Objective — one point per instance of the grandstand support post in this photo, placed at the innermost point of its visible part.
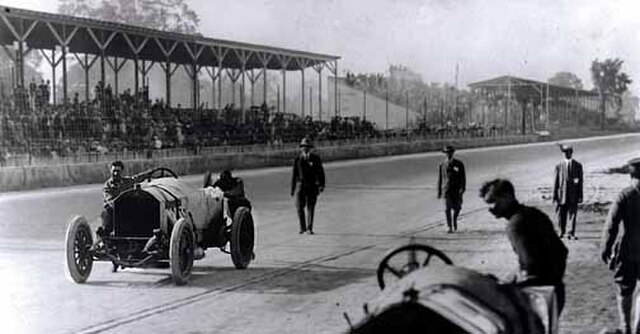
(115, 67)
(192, 71)
(63, 40)
(54, 63)
(21, 36)
(213, 75)
(302, 111)
(284, 62)
(136, 49)
(86, 66)
(333, 67)
(253, 77)
(302, 64)
(233, 75)
(194, 53)
(318, 67)
(167, 50)
(220, 55)
(136, 79)
(311, 102)
(264, 59)
(102, 43)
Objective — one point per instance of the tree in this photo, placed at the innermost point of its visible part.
(167, 15)
(610, 83)
(566, 79)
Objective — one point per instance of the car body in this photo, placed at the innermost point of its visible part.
(451, 299)
(163, 221)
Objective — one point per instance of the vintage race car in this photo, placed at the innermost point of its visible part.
(431, 295)
(162, 221)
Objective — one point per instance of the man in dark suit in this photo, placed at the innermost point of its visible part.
(567, 191)
(451, 186)
(307, 182)
(621, 247)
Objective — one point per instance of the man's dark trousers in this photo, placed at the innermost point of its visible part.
(306, 197)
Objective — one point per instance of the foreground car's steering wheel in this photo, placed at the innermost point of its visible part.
(159, 172)
(413, 252)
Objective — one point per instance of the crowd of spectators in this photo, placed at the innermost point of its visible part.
(29, 124)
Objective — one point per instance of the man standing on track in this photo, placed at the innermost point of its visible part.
(307, 182)
(451, 186)
(567, 191)
(621, 247)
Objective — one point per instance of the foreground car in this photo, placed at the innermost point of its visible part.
(163, 221)
(429, 298)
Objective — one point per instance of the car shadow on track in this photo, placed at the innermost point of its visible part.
(309, 279)
(312, 278)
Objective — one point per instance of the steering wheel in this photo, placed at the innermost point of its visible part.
(163, 171)
(413, 251)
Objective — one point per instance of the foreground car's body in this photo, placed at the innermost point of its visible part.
(163, 221)
(450, 299)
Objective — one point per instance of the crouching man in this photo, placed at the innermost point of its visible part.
(541, 254)
(232, 189)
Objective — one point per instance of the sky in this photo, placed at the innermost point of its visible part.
(486, 38)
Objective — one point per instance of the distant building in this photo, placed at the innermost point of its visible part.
(630, 110)
(400, 73)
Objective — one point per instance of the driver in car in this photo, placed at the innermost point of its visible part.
(114, 186)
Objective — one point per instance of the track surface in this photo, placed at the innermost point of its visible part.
(298, 283)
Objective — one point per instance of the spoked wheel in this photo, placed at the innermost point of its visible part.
(181, 246)
(418, 256)
(242, 238)
(78, 242)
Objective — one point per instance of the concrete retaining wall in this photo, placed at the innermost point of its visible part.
(35, 177)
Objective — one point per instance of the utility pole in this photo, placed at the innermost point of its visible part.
(386, 106)
(406, 121)
(455, 95)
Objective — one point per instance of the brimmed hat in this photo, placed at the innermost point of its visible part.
(306, 142)
(448, 149)
(566, 148)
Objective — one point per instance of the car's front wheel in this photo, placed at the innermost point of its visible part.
(181, 251)
(78, 255)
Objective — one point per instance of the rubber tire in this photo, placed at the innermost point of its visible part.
(78, 230)
(181, 251)
(242, 238)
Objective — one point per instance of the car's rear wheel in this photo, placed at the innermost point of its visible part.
(78, 255)
(242, 238)
(181, 247)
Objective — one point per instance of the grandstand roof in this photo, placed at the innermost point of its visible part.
(527, 87)
(46, 31)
